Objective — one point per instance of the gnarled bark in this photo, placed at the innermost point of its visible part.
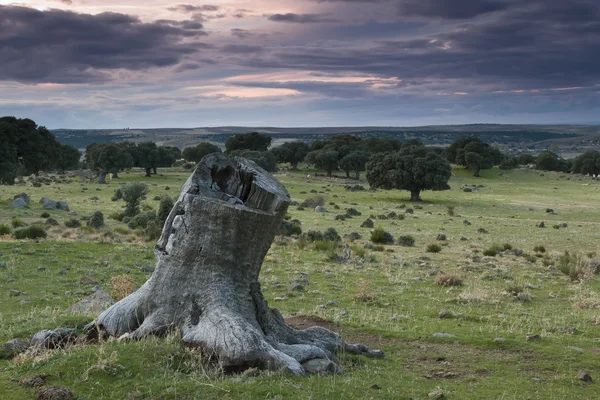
(206, 279)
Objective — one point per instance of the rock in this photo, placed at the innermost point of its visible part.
(13, 348)
(19, 203)
(62, 205)
(15, 293)
(51, 222)
(499, 340)
(34, 381)
(523, 296)
(23, 196)
(482, 230)
(320, 209)
(282, 298)
(295, 286)
(376, 387)
(530, 286)
(147, 268)
(54, 393)
(575, 348)
(93, 304)
(444, 335)
(51, 339)
(41, 269)
(464, 238)
(467, 190)
(441, 237)
(321, 366)
(541, 225)
(445, 313)
(2, 264)
(532, 337)
(584, 376)
(86, 280)
(436, 394)
(48, 203)
(466, 222)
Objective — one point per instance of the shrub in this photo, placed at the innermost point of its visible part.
(450, 210)
(17, 223)
(434, 248)
(97, 220)
(491, 251)
(164, 209)
(122, 286)
(573, 266)
(45, 215)
(378, 235)
(142, 220)
(331, 235)
(121, 230)
(5, 230)
(31, 232)
(448, 280)
(359, 252)
(290, 228)
(314, 236)
(539, 249)
(353, 212)
(132, 194)
(73, 223)
(118, 195)
(507, 246)
(324, 245)
(406, 240)
(117, 216)
(378, 247)
(313, 202)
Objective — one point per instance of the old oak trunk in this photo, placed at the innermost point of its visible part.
(206, 279)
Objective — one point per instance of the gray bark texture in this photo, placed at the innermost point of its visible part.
(206, 280)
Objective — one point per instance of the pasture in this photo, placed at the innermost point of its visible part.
(493, 315)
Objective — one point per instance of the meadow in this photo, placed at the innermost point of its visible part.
(493, 314)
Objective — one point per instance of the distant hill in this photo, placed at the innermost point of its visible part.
(529, 135)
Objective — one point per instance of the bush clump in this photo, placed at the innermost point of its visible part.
(289, 228)
(164, 209)
(313, 202)
(117, 216)
(133, 194)
(406, 240)
(539, 249)
(491, 251)
(118, 195)
(45, 215)
(379, 235)
(142, 220)
(331, 235)
(434, 248)
(5, 230)
(448, 280)
(30, 232)
(96, 220)
(73, 223)
(17, 223)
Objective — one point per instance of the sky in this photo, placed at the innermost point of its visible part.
(152, 63)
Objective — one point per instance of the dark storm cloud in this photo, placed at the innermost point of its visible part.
(301, 18)
(65, 47)
(449, 9)
(68, 2)
(189, 8)
(241, 48)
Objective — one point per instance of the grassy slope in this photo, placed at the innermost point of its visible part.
(400, 317)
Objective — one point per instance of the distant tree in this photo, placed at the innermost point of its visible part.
(167, 155)
(548, 161)
(509, 163)
(413, 168)
(249, 141)
(265, 159)
(108, 158)
(324, 159)
(587, 163)
(473, 154)
(381, 145)
(291, 152)
(133, 194)
(9, 150)
(197, 153)
(68, 158)
(356, 162)
(526, 159)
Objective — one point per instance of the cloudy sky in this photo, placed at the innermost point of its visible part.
(154, 63)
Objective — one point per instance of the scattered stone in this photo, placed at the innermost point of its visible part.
(2, 264)
(54, 393)
(436, 394)
(541, 225)
(320, 209)
(23, 196)
(48, 203)
(19, 202)
(467, 190)
(466, 222)
(584, 376)
(376, 387)
(530, 286)
(295, 286)
(523, 296)
(94, 304)
(147, 268)
(368, 223)
(464, 238)
(532, 337)
(575, 348)
(482, 230)
(51, 339)
(41, 269)
(15, 293)
(445, 314)
(62, 205)
(353, 236)
(409, 211)
(321, 366)
(51, 222)
(353, 212)
(13, 348)
(416, 279)
(499, 340)
(441, 237)
(34, 381)
(444, 335)
(86, 280)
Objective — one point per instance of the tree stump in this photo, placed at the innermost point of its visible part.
(206, 279)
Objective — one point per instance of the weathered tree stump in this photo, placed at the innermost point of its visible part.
(206, 279)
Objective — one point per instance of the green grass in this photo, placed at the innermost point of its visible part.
(400, 316)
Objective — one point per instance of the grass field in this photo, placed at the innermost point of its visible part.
(399, 299)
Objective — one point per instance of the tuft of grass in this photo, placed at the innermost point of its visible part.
(122, 286)
(5, 230)
(507, 246)
(45, 214)
(539, 249)
(30, 232)
(434, 248)
(325, 245)
(73, 223)
(573, 265)
(450, 210)
(491, 251)
(448, 280)
(17, 223)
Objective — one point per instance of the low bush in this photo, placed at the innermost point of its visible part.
(491, 251)
(117, 216)
(5, 230)
(539, 249)
(17, 223)
(73, 223)
(45, 215)
(142, 220)
(448, 280)
(122, 230)
(30, 232)
(314, 236)
(290, 228)
(434, 248)
(379, 235)
(574, 266)
(118, 195)
(96, 220)
(324, 245)
(331, 235)
(406, 240)
(313, 202)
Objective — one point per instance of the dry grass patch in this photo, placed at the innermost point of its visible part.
(448, 280)
(122, 286)
(477, 295)
(586, 299)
